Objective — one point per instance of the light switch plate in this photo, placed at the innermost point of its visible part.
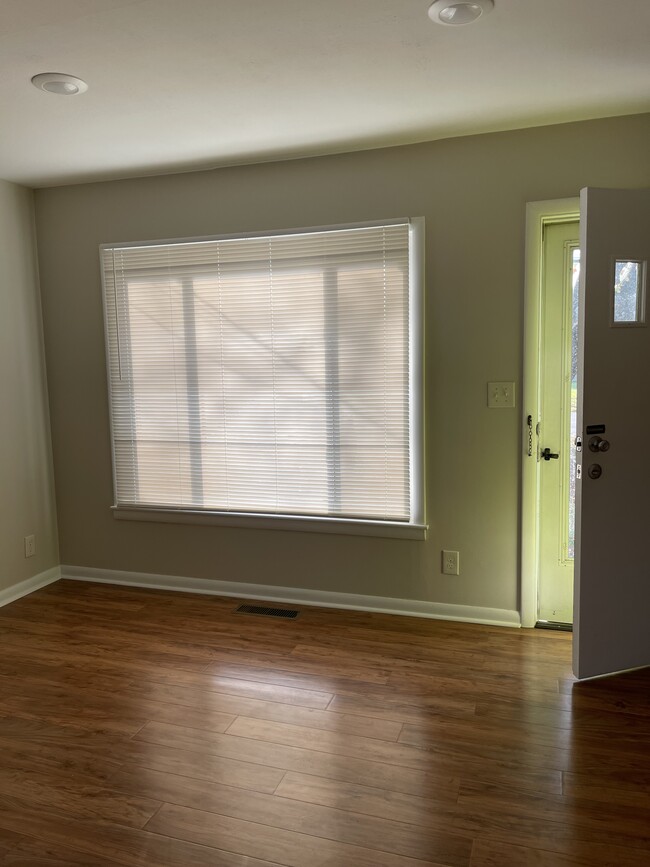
(501, 395)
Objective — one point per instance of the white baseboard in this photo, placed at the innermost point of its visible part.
(23, 588)
(297, 596)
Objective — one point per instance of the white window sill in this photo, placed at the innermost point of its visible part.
(292, 523)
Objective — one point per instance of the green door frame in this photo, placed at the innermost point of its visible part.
(538, 215)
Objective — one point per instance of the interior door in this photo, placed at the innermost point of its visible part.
(612, 562)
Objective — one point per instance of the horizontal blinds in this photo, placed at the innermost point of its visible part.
(262, 374)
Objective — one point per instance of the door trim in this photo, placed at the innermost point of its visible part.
(538, 215)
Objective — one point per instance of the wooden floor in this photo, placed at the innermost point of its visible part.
(146, 728)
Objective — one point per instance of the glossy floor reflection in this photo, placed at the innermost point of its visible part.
(140, 727)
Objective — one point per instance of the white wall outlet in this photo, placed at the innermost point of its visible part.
(501, 395)
(30, 546)
(450, 563)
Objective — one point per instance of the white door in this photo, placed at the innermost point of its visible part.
(612, 562)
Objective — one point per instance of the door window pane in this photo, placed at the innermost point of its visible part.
(628, 291)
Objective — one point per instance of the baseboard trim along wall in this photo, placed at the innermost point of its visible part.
(23, 588)
(297, 596)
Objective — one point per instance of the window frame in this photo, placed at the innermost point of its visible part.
(416, 527)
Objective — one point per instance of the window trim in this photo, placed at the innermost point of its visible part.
(268, 521)
(416, 528)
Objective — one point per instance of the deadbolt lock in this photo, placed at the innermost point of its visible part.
(595, 471)
(597, 444)
(548, 455)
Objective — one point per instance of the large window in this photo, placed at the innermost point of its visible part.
(273, 375)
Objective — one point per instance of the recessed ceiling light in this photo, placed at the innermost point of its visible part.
(57, 82)
(457, 12)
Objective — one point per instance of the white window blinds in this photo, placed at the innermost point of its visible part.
(262, 375)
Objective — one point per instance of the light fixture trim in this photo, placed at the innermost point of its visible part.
(59, 83)
(456, 13)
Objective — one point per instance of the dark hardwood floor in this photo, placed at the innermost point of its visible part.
(146, 728)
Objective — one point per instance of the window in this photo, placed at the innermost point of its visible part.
(274, 375)
(629, 293)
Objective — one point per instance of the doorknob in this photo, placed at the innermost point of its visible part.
(597, 444)
(547, 454)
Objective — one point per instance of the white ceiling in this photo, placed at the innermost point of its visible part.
(181, 84)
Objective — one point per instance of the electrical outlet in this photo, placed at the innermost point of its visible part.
(501, 395)
(30, 546)
(450, 563)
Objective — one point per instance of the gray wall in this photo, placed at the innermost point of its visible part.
(26, 477)
(472, 192)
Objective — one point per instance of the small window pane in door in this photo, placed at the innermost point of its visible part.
(628, 292)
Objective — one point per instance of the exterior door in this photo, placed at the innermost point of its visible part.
(557, 428)
(612, 563)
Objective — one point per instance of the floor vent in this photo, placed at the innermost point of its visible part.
(264, 611)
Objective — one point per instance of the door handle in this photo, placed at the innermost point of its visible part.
(547, 454)
(597, 444)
